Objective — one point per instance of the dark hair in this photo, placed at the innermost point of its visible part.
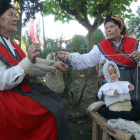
(109, 18)
(4, 6)
(118, 21)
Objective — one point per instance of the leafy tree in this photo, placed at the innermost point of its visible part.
(134, 25)
(27, 7)
(81, 10)
(97, 36)
(78, 43)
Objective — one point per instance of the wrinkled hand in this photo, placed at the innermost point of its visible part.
(135, 55)
(115, 92)
(60, 65)
(130, 86)
(33, 51)
(63, 56)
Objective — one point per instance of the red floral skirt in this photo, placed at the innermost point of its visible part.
(21, 118)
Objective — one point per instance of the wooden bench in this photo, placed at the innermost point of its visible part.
(100, 130)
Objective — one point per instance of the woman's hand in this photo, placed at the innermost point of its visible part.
(60, 65)
(135, 55)
(33, 51)
(63, 56)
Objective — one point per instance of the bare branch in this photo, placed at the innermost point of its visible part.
(101, 8)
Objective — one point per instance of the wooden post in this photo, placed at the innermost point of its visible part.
(105, 136)
(101, 123)
(95, 130)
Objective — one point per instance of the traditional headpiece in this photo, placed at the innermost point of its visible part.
(118, 21)
(4, 5)
(106, 73)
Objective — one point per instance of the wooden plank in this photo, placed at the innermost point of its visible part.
(95, 130)
(102, 122)
(105, 136)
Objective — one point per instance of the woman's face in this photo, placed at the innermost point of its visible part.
(8, 22)
(112, 31)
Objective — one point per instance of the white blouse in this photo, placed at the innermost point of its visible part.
(9, 75)
(84, 61)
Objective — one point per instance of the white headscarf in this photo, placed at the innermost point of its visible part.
(105, 70)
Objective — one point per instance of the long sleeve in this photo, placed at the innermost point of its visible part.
(11, 77)
(83, 61)
(8, 76)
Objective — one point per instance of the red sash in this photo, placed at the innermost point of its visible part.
(111, 52)
(8, 56)
(24, 86)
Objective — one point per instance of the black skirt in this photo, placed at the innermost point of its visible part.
(53, 102)
(132, 115)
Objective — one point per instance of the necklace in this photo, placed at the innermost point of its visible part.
(16, 56)
(117, 50)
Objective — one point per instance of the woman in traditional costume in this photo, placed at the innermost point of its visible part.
(28, 111)
(123, 50)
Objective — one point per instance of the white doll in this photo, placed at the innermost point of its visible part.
(116, 93)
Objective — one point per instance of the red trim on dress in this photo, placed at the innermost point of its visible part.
(22, 118)
(129, 45)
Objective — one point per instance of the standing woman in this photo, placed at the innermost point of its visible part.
(28, 111)
(124, 51)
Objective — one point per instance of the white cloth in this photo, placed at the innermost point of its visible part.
(129, 126)
(106, 69)
(83, 61)
(109, 88)
(9, 75)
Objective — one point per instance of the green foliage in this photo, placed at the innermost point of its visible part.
(134, 25)
(67, 9)
(81, 10)
(45, 52)
(74, 90)
(25, 42)
(98, 36)
(78, 43)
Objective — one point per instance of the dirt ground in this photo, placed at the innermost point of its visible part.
(80, 124)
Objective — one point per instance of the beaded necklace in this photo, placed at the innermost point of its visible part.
(16, 56)
(117, 49)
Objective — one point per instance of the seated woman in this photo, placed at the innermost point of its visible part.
(28, 111)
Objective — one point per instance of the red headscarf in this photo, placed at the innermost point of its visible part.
(118, 21)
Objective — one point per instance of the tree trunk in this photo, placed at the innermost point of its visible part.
(90, 40)
(16, 37)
